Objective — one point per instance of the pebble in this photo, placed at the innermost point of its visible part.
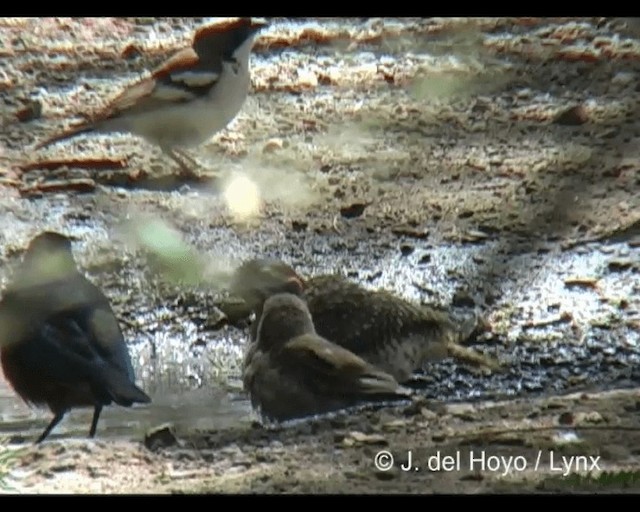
(160, 437)
(573, 116)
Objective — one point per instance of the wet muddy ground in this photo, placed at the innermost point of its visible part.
(486, 164)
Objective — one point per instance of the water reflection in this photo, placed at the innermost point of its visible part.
(188, 410)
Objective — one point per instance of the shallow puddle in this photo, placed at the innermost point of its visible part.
(186, 411)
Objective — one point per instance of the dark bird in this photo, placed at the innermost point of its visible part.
(60, 343)
(187, 99)
(393, 334)
(291, 372)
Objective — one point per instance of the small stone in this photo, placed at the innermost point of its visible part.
(463, 299)
(424, 259)
(236, 310)
(465, 412)
(620, 264)
(372, 439)
(410, 231)
(273, 145)
(394, 425)
(29, 111)
(348, 442)
(299, 225)
(428, 414)
(354, 210)
(474, 235)
(591, 417)
(574, 116)
(216, 320)
(161, 436)
(63, 467)
(566, 418)
(406, 249)
(131, 51)
(307, 79)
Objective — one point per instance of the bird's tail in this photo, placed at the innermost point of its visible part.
(473, 358)
(71, 132)
(383, 387)
(122, 391)
(465, 332)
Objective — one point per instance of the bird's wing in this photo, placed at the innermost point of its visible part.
(254, 365)
(147, 94)
(100, 324)
(358, 317)
(72, 318)
(186, 70)
(130, 97)
(179, 79)
(55, 347)
(323, 354)
(64, 349)
(107, 340)
(330, 363)
(59, 350)
(27, 305)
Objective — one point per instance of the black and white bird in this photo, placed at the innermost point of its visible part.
(186, 100)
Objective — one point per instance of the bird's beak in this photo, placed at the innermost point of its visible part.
(299, 282)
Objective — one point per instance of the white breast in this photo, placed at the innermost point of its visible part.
(193, 123)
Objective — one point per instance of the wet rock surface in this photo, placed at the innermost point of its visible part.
(421, 156)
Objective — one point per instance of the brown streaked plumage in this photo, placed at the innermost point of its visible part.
(60, 343)
(393, 334)
(291, 372)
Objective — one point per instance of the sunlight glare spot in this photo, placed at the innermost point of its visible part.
(242, 197)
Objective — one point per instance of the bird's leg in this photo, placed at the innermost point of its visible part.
(94, 421)
(187, 163)
(56, 419)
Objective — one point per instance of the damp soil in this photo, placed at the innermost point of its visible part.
(486, 165)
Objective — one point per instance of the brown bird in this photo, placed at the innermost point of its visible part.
(60, 343)
(395, 335)
(291, 372)
(190, 97)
